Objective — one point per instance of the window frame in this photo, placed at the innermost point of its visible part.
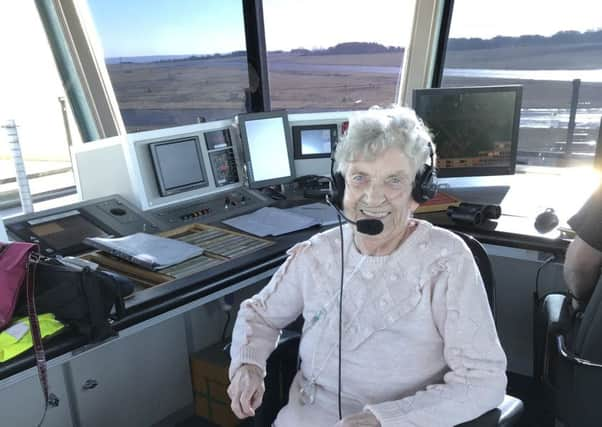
(436, 78)
(419, 63)
(78, 57)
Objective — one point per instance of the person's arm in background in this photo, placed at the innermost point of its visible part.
(476, 381)
(584, 255)
(582, 266)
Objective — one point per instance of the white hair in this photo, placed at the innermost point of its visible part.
(373, 131)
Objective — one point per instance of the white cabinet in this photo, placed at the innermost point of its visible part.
(137, 379)
(22, 401)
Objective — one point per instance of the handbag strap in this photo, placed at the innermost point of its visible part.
(34, 326)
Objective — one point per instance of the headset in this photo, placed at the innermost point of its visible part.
(424, 187)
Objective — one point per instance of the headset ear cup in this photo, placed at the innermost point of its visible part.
(338, 190)
(417, 194)
(425, 185)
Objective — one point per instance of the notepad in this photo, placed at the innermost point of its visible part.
(275, 222)
(271, 222)
(323, 213)
(146, 250)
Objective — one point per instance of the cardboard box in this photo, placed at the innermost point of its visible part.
(210, 382)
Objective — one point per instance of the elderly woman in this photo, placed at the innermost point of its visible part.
(418, 345)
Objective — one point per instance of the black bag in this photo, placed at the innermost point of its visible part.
(80, 295)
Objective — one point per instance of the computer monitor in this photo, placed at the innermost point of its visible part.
(267, 147)
(60, 232)
(314, 141)
(475, 129)
(178, 165)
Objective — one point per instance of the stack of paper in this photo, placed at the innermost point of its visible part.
(275, 222)
(323, 213)
(146, 250)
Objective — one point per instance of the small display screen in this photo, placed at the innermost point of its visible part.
(178, 165)
(223, 165)
(314, 141)
(218, 139)
(65, 232)
(268, 149)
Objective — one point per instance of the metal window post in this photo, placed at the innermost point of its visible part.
(568, 148)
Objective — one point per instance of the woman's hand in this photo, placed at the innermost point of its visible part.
(246, 390)
(361, 419)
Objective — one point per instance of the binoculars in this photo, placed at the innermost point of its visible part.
(472, 213)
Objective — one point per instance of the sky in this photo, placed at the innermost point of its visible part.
(182, 27)
(520, 17)
(30, 86)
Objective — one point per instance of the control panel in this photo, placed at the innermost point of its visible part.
(61, 230)
(210, 208)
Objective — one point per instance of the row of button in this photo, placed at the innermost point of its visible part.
(195, 214)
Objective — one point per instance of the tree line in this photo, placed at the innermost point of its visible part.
(561, 37)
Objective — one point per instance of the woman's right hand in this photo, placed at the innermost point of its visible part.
(246, 390)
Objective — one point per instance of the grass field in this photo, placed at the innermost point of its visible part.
(165, 94)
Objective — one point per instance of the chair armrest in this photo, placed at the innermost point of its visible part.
(547, 323)
(567, 355)
(551, 309)
(506, 414)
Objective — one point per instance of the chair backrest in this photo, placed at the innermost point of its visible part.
(571, 369)
(484, 264)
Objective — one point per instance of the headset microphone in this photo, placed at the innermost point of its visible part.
(371, 227)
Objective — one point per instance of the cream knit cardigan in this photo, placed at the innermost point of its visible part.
(419, 346)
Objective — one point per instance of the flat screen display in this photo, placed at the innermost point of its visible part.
(65, 231)
(314, 141)
(475, 129)
(266, 142)
(178, 165)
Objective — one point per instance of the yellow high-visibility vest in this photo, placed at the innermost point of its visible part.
(16, 339)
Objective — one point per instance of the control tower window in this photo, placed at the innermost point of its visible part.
(335, 55)
(174, 63)
(555, 59)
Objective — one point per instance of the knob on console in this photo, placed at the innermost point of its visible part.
(118, 211)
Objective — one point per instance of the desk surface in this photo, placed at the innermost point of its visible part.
(527, 195)
(514, 228)
(511, 231)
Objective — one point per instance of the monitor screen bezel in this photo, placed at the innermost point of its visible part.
(297, 140)
(479, 170)
(163, 190)
(243, 119)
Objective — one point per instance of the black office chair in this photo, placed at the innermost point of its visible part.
(283, 363)
(568, 360)
(510, 410)
(485, 268)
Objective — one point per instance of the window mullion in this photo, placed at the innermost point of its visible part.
(258, 95)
